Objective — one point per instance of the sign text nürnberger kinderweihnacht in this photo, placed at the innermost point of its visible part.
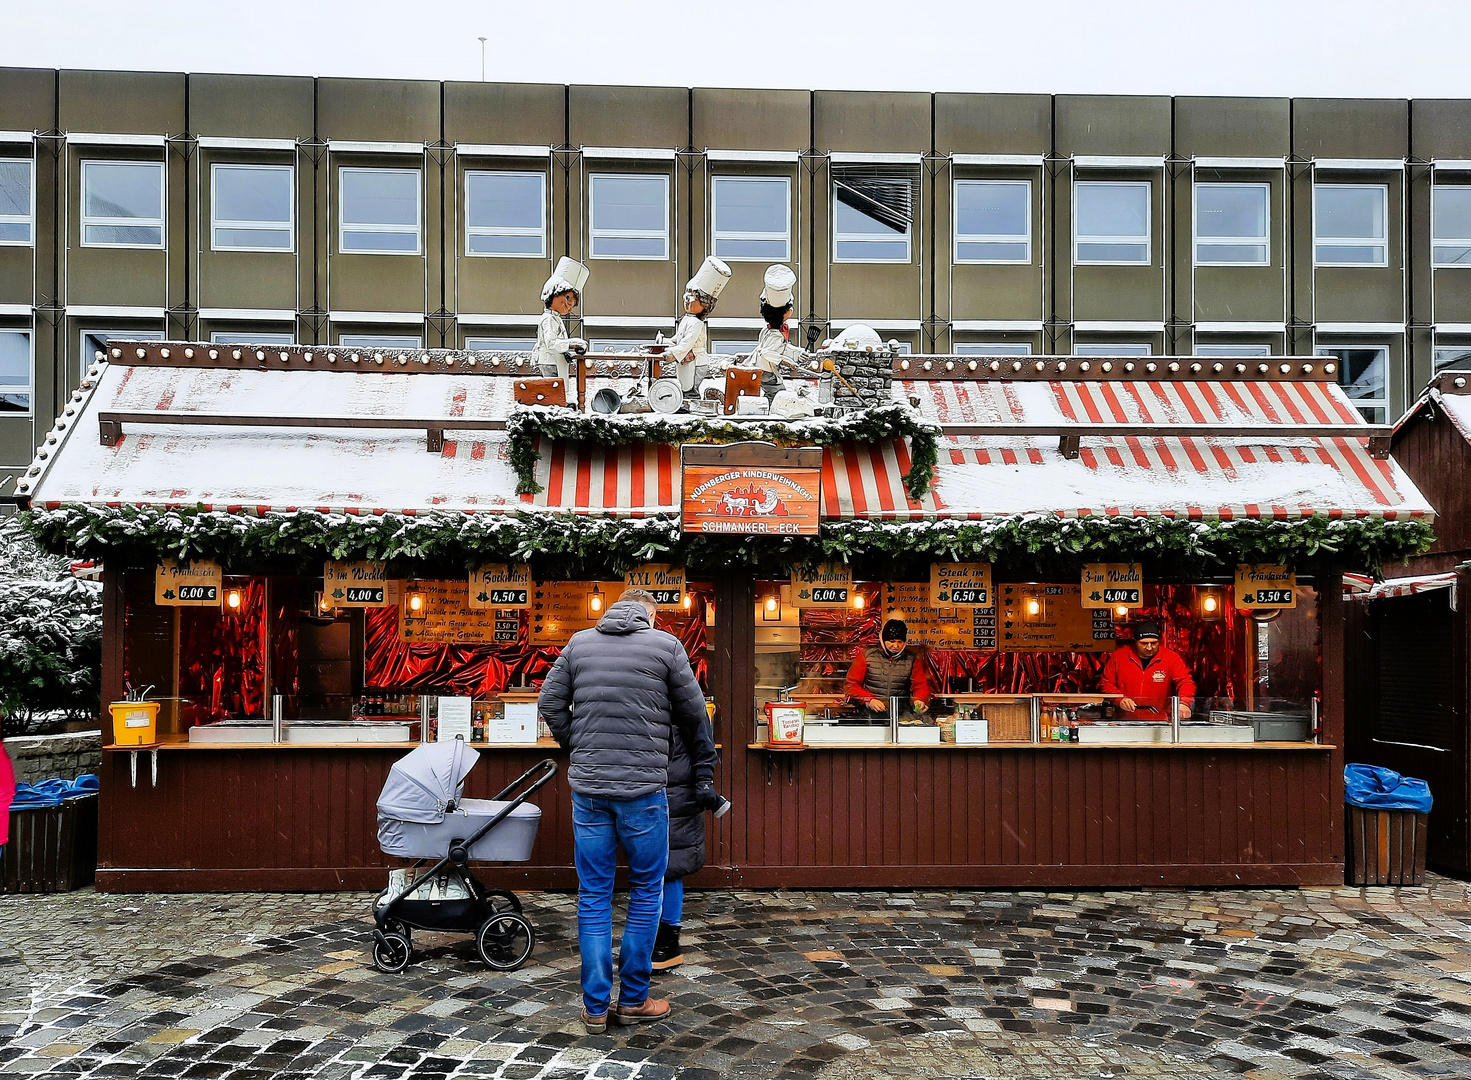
(751, 489)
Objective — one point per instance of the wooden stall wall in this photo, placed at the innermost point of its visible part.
(304, 818)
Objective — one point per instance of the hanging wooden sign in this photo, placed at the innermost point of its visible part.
(188, 584)
(752, 489)
(500, 585)
(1264, 586)
(961, 585)
(1050, 618)
(829, 585)
(356, 584)
(928, 625)
(561, 608)
(1110, 585)
(664, 581)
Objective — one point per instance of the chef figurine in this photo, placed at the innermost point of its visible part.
(773, 351)
(561, 294)
(690, 346)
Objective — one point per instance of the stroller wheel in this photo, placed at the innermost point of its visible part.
(500, 900)
(391, 953)
(504, 941)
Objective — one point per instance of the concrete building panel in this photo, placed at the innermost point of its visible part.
(993, 123)
(505, 114)
(1442, 129)
(378, 110)
(122, 102)
(1239, 127)
(853, 121)
(632, 116)
(1111, 126)
(27, 99)
(1351, 128)
(251, 106)
(751, 119)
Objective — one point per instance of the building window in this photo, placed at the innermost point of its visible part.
(1362, 372)
(1233, 350)
(731, 348)
(380, 341)
(993, 221)
(614, 345)
(994, 348)
(1114, 348)
(236, 338)
(630, 216)
(873, 212)
(122, 204)
(1231, 223)
(380, 211)
(95, 341)
(15, 371)
(1451, 228)
(1456, 356)
(505, 214)
(17, 201)
(252, 207)
(753, 216)
(1350, 224)
(1111, 222)
(501, 344)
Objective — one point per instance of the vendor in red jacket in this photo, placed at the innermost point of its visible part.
(1147, 675)
(889, 669)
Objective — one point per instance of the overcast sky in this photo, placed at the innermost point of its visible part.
(1334, 48)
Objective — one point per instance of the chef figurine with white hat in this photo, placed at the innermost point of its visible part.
(690, 346)
(773, 350)
(560, 295)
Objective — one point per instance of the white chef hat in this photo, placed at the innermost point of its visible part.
(779, 284)
(569, 276)
(711, 278)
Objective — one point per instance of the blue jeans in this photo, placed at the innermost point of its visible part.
(673, 902)
(599, 826)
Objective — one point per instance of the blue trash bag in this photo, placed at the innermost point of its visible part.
(1374, 788)
(49, 793)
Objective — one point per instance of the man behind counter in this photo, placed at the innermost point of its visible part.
(889, 670)
(1147, 675)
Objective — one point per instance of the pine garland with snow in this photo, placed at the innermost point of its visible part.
(50, 634)
(570, 545)
(879, 423)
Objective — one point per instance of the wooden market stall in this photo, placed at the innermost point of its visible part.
(1410, 666)
(398, 550)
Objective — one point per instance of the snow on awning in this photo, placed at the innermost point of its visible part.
(1410, 586)
(1248, 472)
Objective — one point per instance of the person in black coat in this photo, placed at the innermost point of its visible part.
(686, 847)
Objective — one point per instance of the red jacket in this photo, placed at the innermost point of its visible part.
(1149, 684)
(7, 794)
(919, 680)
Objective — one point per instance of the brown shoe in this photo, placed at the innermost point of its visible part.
(651, 1009)
(594, 1025)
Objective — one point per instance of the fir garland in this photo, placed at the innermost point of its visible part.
(528, 423)
(570, 544)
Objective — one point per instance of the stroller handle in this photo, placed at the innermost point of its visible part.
(547, 767)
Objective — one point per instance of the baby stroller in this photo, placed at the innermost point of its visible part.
(422, 816)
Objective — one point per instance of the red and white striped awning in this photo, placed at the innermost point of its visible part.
(633, 480)
(1410, 586)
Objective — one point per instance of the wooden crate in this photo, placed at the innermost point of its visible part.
(1009, 721)
(51, 848)
(1386, 847)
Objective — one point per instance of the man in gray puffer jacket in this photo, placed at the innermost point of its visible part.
(614, 697)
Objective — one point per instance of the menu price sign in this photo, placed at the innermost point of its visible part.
(664, 581)
(1109, 585)
(1265, 587)
(928, 625)
(500, 585)
(961, 585)
(560, 608)
(447, 618)
(188, 584)
(356, 584)
(828, 585)
(1061, 624)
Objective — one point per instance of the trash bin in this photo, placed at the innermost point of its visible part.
(53, 837)
(1388, 826)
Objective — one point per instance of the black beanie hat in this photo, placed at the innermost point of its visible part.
(1146, 629)
(894, 630)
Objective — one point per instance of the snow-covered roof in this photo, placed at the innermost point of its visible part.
(1000, 454)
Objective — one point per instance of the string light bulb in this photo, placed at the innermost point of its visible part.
(595, 601)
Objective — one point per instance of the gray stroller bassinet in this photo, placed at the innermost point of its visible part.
(420, 810)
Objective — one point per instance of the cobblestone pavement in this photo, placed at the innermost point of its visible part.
(1340, 983)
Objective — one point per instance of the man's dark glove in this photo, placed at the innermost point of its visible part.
(706, 797)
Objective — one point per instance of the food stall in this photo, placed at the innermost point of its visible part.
(398, 550)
